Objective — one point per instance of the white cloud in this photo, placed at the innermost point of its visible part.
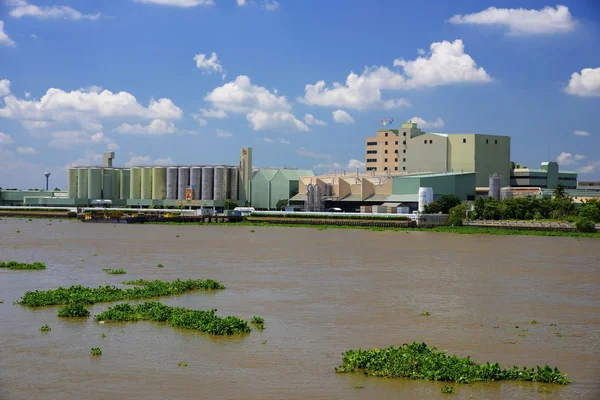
(68, 139)
(565, 159)
(201, 121)
(581, 133)
(275, 121)
(27, 95)
(328, 167)
(112, 146)
(136, 161)
(5, 139)
(353, 164)
(589, 168)
(32, 125)
(4, 86)
(270, 5)
(579, 157)
(447, 63)
(179, 3)
(342, 117)
(306, 153)
(24, 9)
(269, 140)
(154, 128)
(421, 123)
(5, 40)
(90, 158)
(282, 141)
(212, 113)
(209, 65)
(33, 36)
(26, 150)
(586, 84)
(222, 133)
(520, 21)
(241, 3)
(310, 119)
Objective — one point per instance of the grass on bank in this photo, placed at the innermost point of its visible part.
(86, 295)
(22, 266)
(419, 361)
(180, 317)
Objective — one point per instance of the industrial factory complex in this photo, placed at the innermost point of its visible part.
(401, 165)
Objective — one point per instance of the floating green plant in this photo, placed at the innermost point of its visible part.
(95, 255)
(533, 322)
(19, 265)
(552, 324)
(419, 361)
(160, 266)
(18, 231)
(252, 231)
(183, 364)
(358, 386)
(109, 271)
(86, 295)
(257, 320)
(45, 328)
(103, 336)
(426, 313)
(204, 321)
(176, 235)
(75, 310)
(96, 351)
(447, 389)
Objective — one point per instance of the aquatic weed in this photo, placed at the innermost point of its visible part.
(45, 328)
(109, 271)
(160, 266)
(75, 310)
(103, 336)
(447, 389)
(257, 320)
(533, 322)
(183, 364)
(96, 351)
(23, 266)
(426, 313)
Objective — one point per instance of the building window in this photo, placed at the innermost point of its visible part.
(430, 141)
(371, 143)
(404, 160)
(385, 160)
(487, 141)
(395, 168)
(386, 152)
(396, 143)
(403, 168)
(404, 150)
(396, 160)
(371, 151)
(404, 142)
(464, 140)
(385, 169)
(404, 134)
(386, 143)
(371, 160)
(371, 168)
(496, 141)
(425, 141)
(396, 151)
(386, 134)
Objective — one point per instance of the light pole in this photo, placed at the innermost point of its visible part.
(47, 175)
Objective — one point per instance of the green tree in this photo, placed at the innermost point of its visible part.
(590, 211)
(457, 214)
(559, 191)
(447, 201)
(229, 204)
(432, 208)
(282, 203)
(478, 208)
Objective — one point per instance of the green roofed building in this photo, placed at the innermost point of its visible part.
(269, 185)
(545, 177)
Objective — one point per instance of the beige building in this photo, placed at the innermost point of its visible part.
(409, 150)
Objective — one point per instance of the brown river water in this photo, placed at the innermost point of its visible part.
(321, 292)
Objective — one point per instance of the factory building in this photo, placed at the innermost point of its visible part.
(269, 185)
(409, 150)
(545, 177)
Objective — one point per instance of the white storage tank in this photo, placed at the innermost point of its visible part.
(135, 183)
(207, 183)
(172, 183)
(72, 177)
(94, 183)
(183, 182)
(425, 197)
(234, 176)
(82, 184)
(495, 183)
(146, 188)
(220, 184)
(196, 182)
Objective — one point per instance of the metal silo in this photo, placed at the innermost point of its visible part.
(196, 182)
(159, 183)
(233, 183)
(172, 183)
(146, 187)
(82, 184)
(183, 182)
(116, 184)
(135, 183)
(94, 183)
(207, 183)
(72, 176)
(494, 190)
(220, 184)
(125, 184)
(107, 184)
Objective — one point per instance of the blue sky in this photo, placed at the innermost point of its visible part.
(80, 77)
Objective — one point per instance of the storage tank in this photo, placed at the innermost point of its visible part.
(125, 184)
(234, 177)
(172, 183)
(207, 183)
(183, 182)
(425, 197)
(72, 176)
(107, 184)
(494, 190)
(220, 184)
(94, 183)
(82, 184)
(146, 187)
(506, 193)
(159, 183)
(116, 184)
(135, 183)
(196, 182)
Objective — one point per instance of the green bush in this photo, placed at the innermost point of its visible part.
(585, 225)
(75, 310)
(457, 214)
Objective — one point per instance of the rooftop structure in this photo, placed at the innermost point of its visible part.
(545, 177)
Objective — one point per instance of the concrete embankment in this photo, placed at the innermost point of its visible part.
(332, 221)
(528, 225)
(37, 214)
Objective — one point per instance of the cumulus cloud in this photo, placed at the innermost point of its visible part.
(209, 64)
(581, 133)
(155, 128)
(26, 150)
(354, 164)
(569, 159)
(179, 3)
(22, 8)
(306, 153)
(224, 134)
(275, 121)
(68, 139)
(136, 161)
(445, 64)
(586, 84)
(421, 123)
(5, 40)
(241, 3)
(270, 5)
(201, 121)
(576, 162)
(112, 146)
(589, 168)
(520, 21)
(90, 158)
(4, 86)
(579, 157)
(5, 139)
(310, 119)
(212, 113)
(282, 141)
(342, 117)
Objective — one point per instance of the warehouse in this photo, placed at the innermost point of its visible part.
(269, 185)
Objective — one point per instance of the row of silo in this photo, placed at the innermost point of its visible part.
(125, 184)
(196, 182)
(135, 183)
(172, 183)
(183, 181)
(207, 183)
(94, 183)
(146, 185)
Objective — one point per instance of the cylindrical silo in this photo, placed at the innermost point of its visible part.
(425, 197)
(94, 183)
(172, 183)
(183, 181)
(72, 176)
(116, 184)
(107, 184)
(82, 184)
(233, 183)
(196, 182)
(207, 183)
(125, 184)
(146, 187)
(135, 183)
(494, 190)
(505, 193)
(220, 184)
(159, 183)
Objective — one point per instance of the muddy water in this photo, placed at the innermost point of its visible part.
(320, 292)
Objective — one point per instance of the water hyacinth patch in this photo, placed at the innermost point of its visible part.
(204, 321)
(114, 271)
(45, 328)
(86, 295)
(96, 351)
(419, 361)
(19, 265)
(76, 310)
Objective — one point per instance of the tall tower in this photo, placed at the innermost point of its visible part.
(245, 173)
(107, 159)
